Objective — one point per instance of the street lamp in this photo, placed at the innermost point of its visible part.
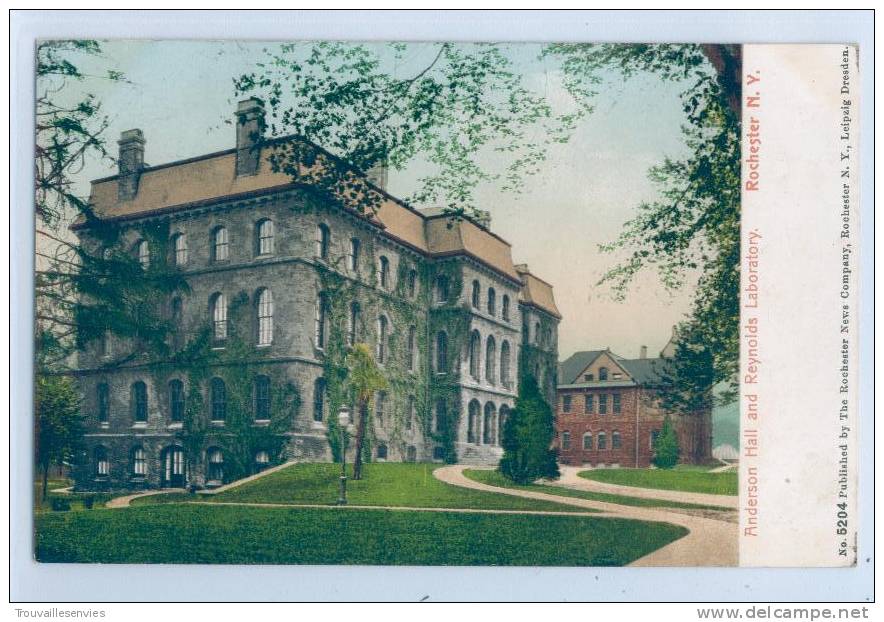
(343, 424)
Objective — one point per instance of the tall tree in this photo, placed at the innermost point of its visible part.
(58, 424)
(694, 227)
(455, 104)
(528, 435)
(365, 379)
(666, 449)
(84, 291)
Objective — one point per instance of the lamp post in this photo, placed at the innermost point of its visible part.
(343, 424)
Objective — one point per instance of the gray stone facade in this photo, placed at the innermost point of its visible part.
(314, 282)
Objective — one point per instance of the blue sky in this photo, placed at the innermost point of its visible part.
(181, 95)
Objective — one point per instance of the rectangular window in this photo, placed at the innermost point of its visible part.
(603, 404)
(615, 398)
(103, 403)
(615, 440)
(380, 404)
(566, 403)
(176, 400)
(602, 442)
(654, 435)
(588, 377)
(587, 404)
(566, 440)
(354, 254)
(139, 463)
(587, 441)
(262, 398)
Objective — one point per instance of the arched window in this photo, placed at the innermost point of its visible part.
(489, 434)
(215, 471)
(475, 345)
(138, 401)
(382, 451)
(383, 336)
(490, 360)
(492, 301)
(218, 306)
(412, 283)
(321, 321)
(505, 308)
(441, 289)
(176, 401)
(384, 272)
(104, 345)
(142, 249)
(265, 317)
(441, 352)
(220, 244)
(353, 323)
(264, 237)
(440, 421)
(501, 422)
(179, 243)
(102, 464)
(176, 315)
(602, 442)
(409, 414)
(587, 441)
(319, 400)
(474, 298)
(526, 337)
(138, 462)
(323, 237)
(353, 257)
(505, 375)
(219, 399)
(538, 337)
(380, 407)
(615, 440)
(262, 398)
(103, 399)
(603, 373)
(473, 422)
(566, 440)
(412, 348)
(411, 454)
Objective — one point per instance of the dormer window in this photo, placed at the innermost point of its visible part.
(588, 377)
(603, 373)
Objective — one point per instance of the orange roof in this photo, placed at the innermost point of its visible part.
(535, 291)
(197, 181)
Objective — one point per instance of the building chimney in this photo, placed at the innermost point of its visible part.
(130, 163)
(249, 128)
(644, 352)
(377, 174)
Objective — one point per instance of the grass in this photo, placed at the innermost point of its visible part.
(77, 501)
(683, 479)
(383, 484)
(186, 533)
(493, 478)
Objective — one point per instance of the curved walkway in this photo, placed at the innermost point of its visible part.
(570, 479)
(123, 502)
(708, 543)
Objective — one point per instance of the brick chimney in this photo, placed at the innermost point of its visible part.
(249, 127)
(377, 174)
(644, 352)
(130, 163)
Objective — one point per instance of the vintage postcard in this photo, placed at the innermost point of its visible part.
(446, 304)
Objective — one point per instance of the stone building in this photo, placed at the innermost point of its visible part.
(280, 286)
(608, 412)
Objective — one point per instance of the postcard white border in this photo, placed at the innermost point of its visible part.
(62, 582)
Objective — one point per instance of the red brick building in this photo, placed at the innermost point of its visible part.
(608, 412)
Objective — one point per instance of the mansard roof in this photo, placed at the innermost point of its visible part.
(211, 178)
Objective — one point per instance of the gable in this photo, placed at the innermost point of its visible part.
(607, 361)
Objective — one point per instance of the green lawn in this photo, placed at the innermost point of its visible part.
(493, 478)
(684, 479)
(186, 533)
(387, 484)
(75, 501)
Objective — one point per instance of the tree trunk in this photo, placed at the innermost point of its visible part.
(360, 439)
(45, 480)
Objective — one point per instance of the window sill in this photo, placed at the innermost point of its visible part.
(317, 425)
(140, 424)
(262, 346)
(262, 422)
(103, 425)
(217, 423)
(177, 425)
(265, 256)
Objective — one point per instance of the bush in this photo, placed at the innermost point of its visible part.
(60, 504)
(88, 502)
(527, 437)
(666, 450)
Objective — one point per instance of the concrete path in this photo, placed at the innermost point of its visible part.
(395, 508)
(571, 479)
(708, 543)
(246, 480)
(724, 467)
(123, 502)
